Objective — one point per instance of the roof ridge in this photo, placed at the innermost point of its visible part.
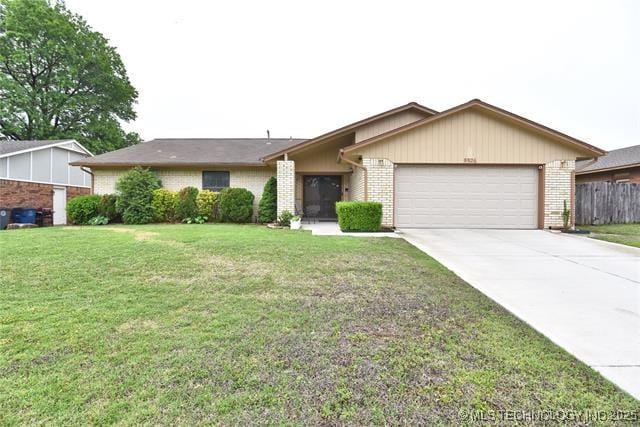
(222, 139)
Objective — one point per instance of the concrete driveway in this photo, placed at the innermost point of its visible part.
(582, 293)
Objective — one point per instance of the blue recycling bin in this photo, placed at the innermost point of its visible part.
(23, 215)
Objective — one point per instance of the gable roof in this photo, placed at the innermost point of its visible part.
(191, 152)
(614, 159)
(334, 133)
(12, 147)
(478, 104)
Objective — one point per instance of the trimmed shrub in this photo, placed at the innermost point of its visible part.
(186, 206)
(135, 193)
(236, 205)
(207, 203)
(268, 207)
(108, 209)
(359, 216)
(81, 209)
(163, 204)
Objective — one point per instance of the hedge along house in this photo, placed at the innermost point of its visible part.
(472, 166)
(211, 164)
(37, 174)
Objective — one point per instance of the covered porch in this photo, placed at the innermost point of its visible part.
(311, 180)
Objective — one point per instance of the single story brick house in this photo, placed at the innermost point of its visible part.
(472, 166)
(617, 166)
(37, 174)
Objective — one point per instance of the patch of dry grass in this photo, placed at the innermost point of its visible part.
(228, 324)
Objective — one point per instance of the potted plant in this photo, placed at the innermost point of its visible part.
(295, 222)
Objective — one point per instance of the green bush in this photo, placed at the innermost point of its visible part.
(285, 218)
(81, 209)
(163, 204)
(236, 205)
(207, 203)
(268, 207)
(186, 206)
(359, 216)
(108, 208)
(135, 193)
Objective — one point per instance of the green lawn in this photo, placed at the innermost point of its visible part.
(627, 234)
(195, 324)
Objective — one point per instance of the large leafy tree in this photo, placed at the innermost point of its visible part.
(60, 79)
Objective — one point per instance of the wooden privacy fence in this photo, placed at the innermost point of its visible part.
(607, 203)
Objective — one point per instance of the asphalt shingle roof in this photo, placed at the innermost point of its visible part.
(8, 147)
(194, 152)
(613, 159)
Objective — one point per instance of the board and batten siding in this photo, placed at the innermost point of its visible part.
(322, 158)
(472, 135)
(46, 166)
(386, 124)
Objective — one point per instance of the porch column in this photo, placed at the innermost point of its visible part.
(286, 176)
(380, 186)
(558, 188)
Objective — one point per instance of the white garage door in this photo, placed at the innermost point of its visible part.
(467, 196)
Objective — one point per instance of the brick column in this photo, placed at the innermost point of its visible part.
(286, 177)
(380, 186)
(558, 187)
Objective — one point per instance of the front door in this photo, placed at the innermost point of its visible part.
(321, 192)
(59, 206)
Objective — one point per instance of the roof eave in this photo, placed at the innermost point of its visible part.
(338, 132)
(613, 168)
(42, 147)
(165, 164)
(478, 103)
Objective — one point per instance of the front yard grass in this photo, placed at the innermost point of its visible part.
(626, 234)
(195, 324)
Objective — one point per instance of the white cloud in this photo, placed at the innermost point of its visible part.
(212, 69)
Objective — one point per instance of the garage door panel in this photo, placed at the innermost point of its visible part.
(466, 196)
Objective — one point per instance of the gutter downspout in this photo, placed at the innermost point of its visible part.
(364, 169)
(82, 168)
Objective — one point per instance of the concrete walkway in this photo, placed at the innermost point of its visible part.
(582, 293)
(332, 229)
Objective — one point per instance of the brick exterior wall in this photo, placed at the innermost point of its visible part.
(104, 180)
(558, 187)
(286, 186)
(356, 184)
(253, 180)
(380, 186)
(24, 194)
(632, 174)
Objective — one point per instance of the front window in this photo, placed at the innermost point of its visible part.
(215, 180)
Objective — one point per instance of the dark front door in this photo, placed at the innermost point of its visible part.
(321, 192)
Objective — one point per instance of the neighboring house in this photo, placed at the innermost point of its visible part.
(622, 165)
(473, 166)
(37, 174)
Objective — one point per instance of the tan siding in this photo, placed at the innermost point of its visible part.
(388, 123)
(323, 158)
(298, 190)
(469, 134)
